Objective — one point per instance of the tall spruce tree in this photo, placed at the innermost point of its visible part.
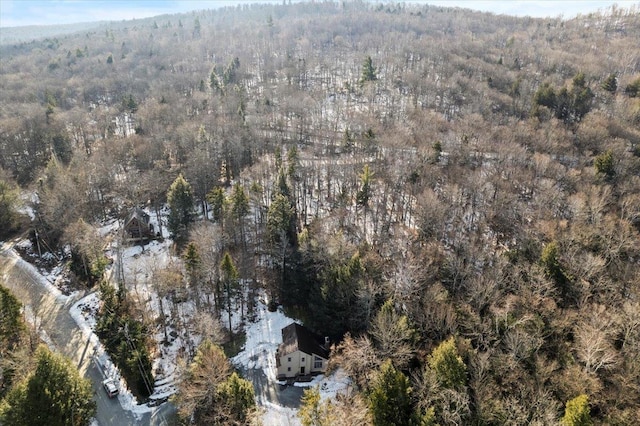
(390, 398)
(229, 281)
(368, 71)
(53, 395)
(180, 198)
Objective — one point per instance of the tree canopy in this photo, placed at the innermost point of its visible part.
(54, 394)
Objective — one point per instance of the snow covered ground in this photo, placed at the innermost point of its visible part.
(259, 353)
(138, 263)
(84, 312)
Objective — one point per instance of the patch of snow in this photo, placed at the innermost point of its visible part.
(83, 313)
(329, 386)
(28, 200)
(263, 338)
(276, 415)
(24, 244)
(43, 281)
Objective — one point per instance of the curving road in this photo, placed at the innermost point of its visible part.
(51, 313)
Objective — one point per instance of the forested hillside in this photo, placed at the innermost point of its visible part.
(452, 196)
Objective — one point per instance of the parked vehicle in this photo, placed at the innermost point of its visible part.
(110, 387)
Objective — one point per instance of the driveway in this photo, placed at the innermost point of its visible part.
(267, 391)
(52, 315)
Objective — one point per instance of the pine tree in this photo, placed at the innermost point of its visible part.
(577, 412)
(239, 202)
(193, 264)
(217, 199)
(11, 325)
(214, 81)
(180, 198)
(8, 204)
(390, 398)
(450, 370)
(610, 84)
(53, 395)
(633, 89)
(368, 71)
(311, 408)
(279, 219)
(604, 165)
(237, 396)
(229, 281)
(364, 194)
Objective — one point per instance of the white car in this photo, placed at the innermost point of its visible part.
(110, 387)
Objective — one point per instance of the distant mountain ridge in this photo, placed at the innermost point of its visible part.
(32, 32)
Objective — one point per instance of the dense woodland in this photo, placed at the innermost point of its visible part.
(452, 196)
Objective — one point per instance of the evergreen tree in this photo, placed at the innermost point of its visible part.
(604, 165)
(8, 204)
(545, 96)
(193, 264)
(364, 194)
(130, 104)
(217, 199)
(110, 59)
(293, 161)
(582, 99)
(341, 284)
(180, 198)
(368, 71)
(239, 202)
(282, 187)
(577, 412)
(229, 281)
(390, 398)
(633, 89)
(10, 312)
(450, 370)
(125, 339)
(579, 80)
(610, 84)
(53, 395)
(237, 396)
(214, 82)
(197, 28)
(279, 219)
(311, 408)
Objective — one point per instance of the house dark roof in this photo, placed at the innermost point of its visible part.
(296, 337)
(139, 215)
(138, 225)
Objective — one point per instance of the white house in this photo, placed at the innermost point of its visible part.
(301, 353)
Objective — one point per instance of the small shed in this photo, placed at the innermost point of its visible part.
(137, 226)
(301, 353)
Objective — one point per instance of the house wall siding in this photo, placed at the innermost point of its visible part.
(296, 363)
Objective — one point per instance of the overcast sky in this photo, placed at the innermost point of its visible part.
(15, 13)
